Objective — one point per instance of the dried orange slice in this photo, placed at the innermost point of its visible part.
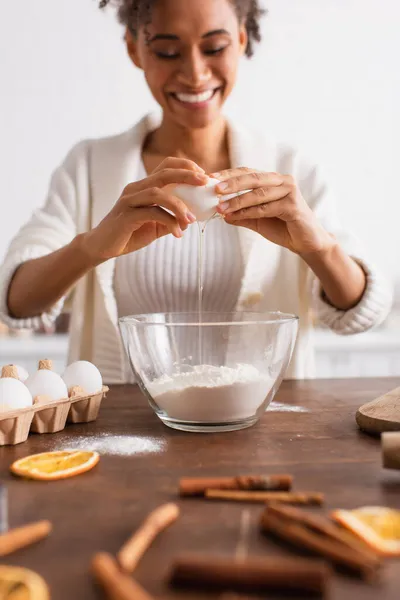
(17, 583)
(378, 526)
(50, 466)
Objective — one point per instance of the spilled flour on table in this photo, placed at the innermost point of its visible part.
(117, 445)
(279, 407)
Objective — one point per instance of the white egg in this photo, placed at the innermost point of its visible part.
(47, 383)
(203, 200)
(84, 374)
(13, 394)
(22, 373)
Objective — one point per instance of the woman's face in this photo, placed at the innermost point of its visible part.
(189, 54)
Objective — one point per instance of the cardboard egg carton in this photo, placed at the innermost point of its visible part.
(16, 425)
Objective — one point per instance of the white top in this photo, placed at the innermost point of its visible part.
(91, 179)
(163, 277)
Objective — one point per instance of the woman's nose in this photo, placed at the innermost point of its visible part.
(194, 71)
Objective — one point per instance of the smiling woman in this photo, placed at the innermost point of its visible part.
(114, 233)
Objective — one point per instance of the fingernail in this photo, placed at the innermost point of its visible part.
(223, 206)
(215, 175)
(179, 233)
(190, 217)
(222, 186)
(201, 178)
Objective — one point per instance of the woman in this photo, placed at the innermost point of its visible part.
(279, 246)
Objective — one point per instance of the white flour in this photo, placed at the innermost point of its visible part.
(279, 407)
(117, 445)
(211, 394)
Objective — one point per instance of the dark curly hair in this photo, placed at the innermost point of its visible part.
(133, 13)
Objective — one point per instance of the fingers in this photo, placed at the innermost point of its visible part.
(173, 162)
(252, 180)
(156, 214)
(155, 196)
(228, 173)
(256, 197)
(166, 177)
(283, 209)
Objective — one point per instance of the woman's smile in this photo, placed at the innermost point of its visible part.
(196, 100)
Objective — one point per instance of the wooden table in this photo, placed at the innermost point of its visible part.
(322, 448)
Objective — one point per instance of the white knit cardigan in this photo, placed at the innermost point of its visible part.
(91, 179)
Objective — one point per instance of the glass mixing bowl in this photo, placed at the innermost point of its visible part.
(217, 372)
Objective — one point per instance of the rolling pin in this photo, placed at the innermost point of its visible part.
(391, 450)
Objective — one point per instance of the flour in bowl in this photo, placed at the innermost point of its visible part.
(210, 394)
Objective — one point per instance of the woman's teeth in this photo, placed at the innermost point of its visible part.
(196, 98)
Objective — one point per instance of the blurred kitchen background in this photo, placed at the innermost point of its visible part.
(325, 78)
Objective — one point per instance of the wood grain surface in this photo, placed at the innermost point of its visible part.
(382, 414)
(320, 445)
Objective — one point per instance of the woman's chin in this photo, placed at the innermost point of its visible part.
(194, 120)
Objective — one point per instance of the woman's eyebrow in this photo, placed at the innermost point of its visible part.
(215, 32)
(170, 36)
(163, 36)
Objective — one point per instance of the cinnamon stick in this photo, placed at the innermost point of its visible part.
(324, 526)
(192, 486)
(133, 550)
(251, 575)
(116, 584)
(339, 553)
(265, 497)
(23, 536)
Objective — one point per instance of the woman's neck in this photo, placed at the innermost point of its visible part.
(208, 147)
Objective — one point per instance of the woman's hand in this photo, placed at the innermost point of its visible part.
(274, 208)
(146, 211)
